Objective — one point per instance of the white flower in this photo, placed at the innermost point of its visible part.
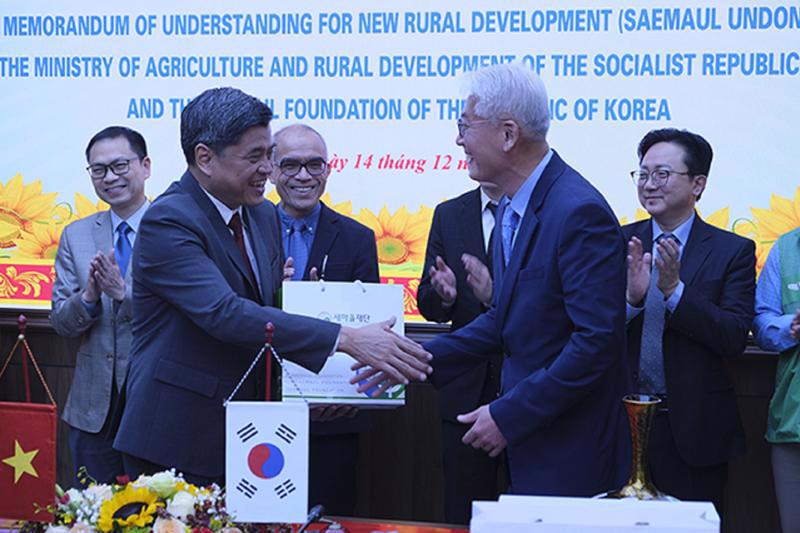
(81, 527)
(181, 505)
(98, 493)
(75, 497)
(56, 529)
(162, 484)
(168, 525)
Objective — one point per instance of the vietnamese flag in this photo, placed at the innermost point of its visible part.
(27, 460)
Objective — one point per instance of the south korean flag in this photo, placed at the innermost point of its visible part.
(266, 461)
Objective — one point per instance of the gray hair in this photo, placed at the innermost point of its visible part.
(293, 127)
(512, 91)
(218, 118)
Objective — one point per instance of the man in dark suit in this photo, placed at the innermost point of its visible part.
(319, 243)
(92, 297)
(456, 286)
(205, 268)
(687, 314)
(559, 308)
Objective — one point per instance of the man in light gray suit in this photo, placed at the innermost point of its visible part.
(92, 296)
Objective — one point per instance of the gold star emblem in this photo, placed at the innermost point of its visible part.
(21, 462)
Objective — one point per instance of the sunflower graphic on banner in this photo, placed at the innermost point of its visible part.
(266, 461)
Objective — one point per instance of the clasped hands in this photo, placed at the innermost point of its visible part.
(288, 271)
(104, 277)
(443, 280)
(639, 262)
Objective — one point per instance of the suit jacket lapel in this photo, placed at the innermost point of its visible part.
(523, 241)
(644, 230)
(221, 230)
(695, 251)
(325, 235)
(103, 236)
(102, 233)
(470, 223)
(527, 231)
(259, 237)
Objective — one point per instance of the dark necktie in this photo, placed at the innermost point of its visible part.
(122, 249)
(493, 208)
(298, 250)
(510, 222)
(651, 360)
(238, 235)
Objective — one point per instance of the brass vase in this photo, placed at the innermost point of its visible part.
(640, 409)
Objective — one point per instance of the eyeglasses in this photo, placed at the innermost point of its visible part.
(658, 177)
(119, 167)
(292, 167)
(464, 126)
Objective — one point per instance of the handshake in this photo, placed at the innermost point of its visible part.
(389, 358)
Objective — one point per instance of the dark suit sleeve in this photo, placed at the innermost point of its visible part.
(366, 260)
(428, 301)
(460, 351)
(591, 262)
(722, 328)
(174, 264)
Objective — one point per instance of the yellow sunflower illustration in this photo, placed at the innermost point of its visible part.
(130, 507)
(401, 237)
(84, 207)
(41, 242)
(21, 206)
(718, 218)
(782, 216)
(640, 214)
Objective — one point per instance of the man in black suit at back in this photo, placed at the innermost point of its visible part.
(456, 286)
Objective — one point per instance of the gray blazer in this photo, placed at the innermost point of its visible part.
(106, 338)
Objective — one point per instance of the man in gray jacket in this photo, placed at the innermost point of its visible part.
(92, 296)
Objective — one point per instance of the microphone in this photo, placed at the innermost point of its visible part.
(314, 515)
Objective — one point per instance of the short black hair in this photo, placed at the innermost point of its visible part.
(697, 151)
(218, 118)
(134, 138)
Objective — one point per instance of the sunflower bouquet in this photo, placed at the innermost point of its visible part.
(161, 503)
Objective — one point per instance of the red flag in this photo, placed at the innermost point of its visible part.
(27, 460)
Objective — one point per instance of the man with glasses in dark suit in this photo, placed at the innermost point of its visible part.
(319, 243)
(690, 294)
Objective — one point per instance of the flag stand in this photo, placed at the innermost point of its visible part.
(27, 445)
(269, 331)
(266, 450)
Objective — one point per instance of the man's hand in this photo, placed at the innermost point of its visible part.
(794, 328)
(391, 359)
(479, 278)
(484, 433)
(91, 293)
(313, 275)
(443, 281)
(288, 269)
(326, 413)
(638, 272)
(669, 266)
(107, 275)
